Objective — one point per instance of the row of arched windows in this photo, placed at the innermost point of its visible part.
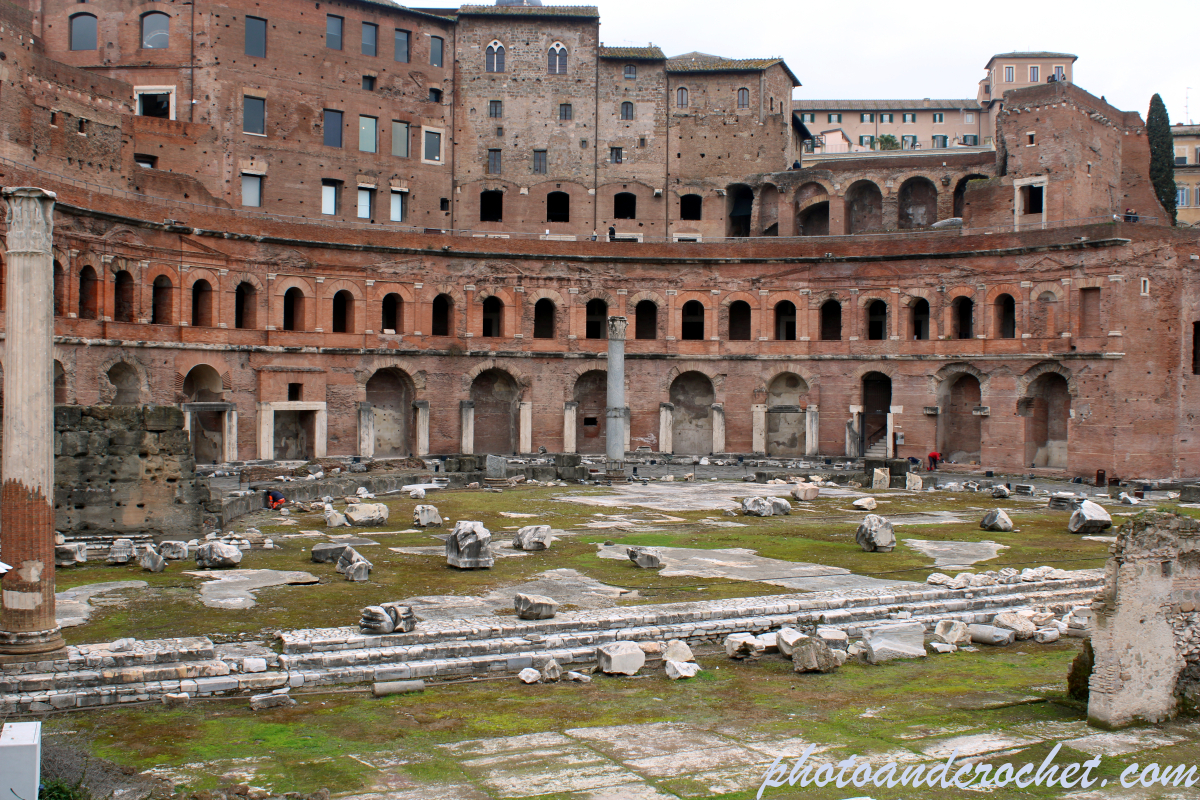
(556, 58)
(155, 31)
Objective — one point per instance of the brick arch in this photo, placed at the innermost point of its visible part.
(201, 273)
(877, 366)
(653, 297)
(531, 298)
(596, 294)
(718, 380)
(1013, 289)
(624, 186)
(818, 299)
(418, 376)
(521, 376)
(234, 279)
(865, 298)
(186, 362)
(155, 270)
(1060, 291)
(333, 287)
(506, 296)
(910, 296)
(306, 285)
(961, 290)
(575, 373)
(108, 392)
(733, 297)
(704, 298)
(770, 372)
(382, 290)
(945, 376)
(429, 293)
(1037, 370)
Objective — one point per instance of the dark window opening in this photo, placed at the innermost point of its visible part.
(1034, 199)
(692, 326)
(442, 306)
(565, 112)
(89, 293)
(831, 321)
(625, 206)
(294, 392)
(333, 128)
(370, 39)
(293, 310)
(160, 303)
(543, 319)
(393, 313)
(123, 295)
(403, 41)
(1196, 348)
(558, 207)
(877, 320)
(920, 320)
(494, 163)
(83, 32)
(591, 422)
(539, 162)
(491, 206)
(495, 109)
(964, 318)
(690, 206)
(145, 162)
(1006, 316)
(493, 317)
(254, 115)
(739, 321)
(596, 319)
(202, 295)
(627, 110)
(244, 306)
(343, 312)
(785, 321)
(256, 37)
(60, 291)
(368, 83)
(645, 324)
(435, 95)
(333, 32)
(156, 104)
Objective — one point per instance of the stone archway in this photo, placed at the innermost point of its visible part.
(390, 392)
(877, 404)
(203, 384)
(864, 208)
(497, 397)
(127, 383)
(591, 393)
(786, 415)
(692, 394)
(1046, 407)
(961, 430)
(918, 203)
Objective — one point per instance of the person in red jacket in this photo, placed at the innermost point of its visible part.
(934, 458)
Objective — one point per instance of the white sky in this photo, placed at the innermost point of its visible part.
(871, 49)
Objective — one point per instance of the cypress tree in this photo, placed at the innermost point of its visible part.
(1162, 155)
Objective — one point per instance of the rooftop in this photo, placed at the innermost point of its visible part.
(882, 105)
(586, 12)
(1185, 130)
(706, 62)
(1033, 54)
(651, 53)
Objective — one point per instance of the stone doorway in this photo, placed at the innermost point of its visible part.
(390, 393)
(497, 399)
(691, 424)
(786, 416)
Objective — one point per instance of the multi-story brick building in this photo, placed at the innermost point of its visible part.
(1041, 332)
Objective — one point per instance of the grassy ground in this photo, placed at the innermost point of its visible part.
(824, 534)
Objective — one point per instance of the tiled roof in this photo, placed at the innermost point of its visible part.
(1038, 54)
(588, 12)
(1185, 130)
(651, 53)
(442, 15)
(703, 62)
(883, 105)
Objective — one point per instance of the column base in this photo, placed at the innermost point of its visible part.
(30, 643)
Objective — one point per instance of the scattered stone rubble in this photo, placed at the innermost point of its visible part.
(645, 557)
(533, 538)
(387, 618)
(875, 535)
(996, 520)
(535, 606)
(865, 504)
(1089, 519)
(765, 506)
(426, 516)
(469, 546)
(367, 514)
(217, 555)
(356, 568)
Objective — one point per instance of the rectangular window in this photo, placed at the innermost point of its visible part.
(370, 38)
(910, 117)
(539, 162)
(496, 109)
(866, 141)
(333, 32)
(969, 118)
(403, 46)
(807, 117)
(1060, 72)
(1009, 74)
(160, 104)
(398, 206)
(1196, 348)
(254, 115)
(433, 146)
(1181, 156)
(333, 128)
(1182, 195)
(565, 113)
(887, 117)
(368, 134)
(938, 117)
(399, 139)
(616, 155)
(145, 162)
(365, 198)
(493, 162)
(435, 95)
(1034, 74)
(436, 45)
(835, 117)
(940, 141)
(908, 142)
(1198, 195)
(252, 191)
(330, 195)
(256, 37)
(1089, 312)
(970, 140)
(368, 83)
(866, 117)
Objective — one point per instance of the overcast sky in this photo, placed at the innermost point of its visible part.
(870, 49)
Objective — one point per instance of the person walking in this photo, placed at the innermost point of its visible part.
(934, 458)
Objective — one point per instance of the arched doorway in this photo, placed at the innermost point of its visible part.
(877, 404)
(591, 393)
(1047, 410)
(161, 301)
(1005, 310)
(544, 312)
(739, 200)
(785, 321)
(646, 320)
(864, 208)
(692, 320)
(245, 306)
(123, 304)
(596, 319)
(691, 425)
(497, 399)
(126, 381)
(202, 295)
(786, 415)
(961, 429)
(919, 320)
(392, 313)
(89, 293)
(739, 321)
(960, 193)
(343, 312)
(443, 308)
(203, 384)
(293, 309)
(831, 321)
(877, 317)
(812, 210)
(918, 203)
(963, 318)
(390, 393)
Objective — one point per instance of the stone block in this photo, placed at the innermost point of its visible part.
(532, 538)
(387, 618)
(620, 658)
(173, 550)
(469, 546)
(677, 650)
(989, 634)
(68, 555)
(351, 564)
(875, 535)
(913, 482)
(865, 504)
(680, 670)
(881, 479)
(262, 702)
(888, 642)
(535, 606)
(327, 552)
(121, 551)
(1089, 519)
(152, 561)
(367, 514)
(163, 418)
(1021, 625)
(425, 516)
(805, 492)
(217, 555)
(952, 632)
(996, 520)
(812, 654)
(645, 557)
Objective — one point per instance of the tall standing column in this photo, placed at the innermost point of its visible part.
(27, 623)
(614, 433)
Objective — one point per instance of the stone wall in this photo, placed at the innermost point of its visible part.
(1146, 638)
(125, 471)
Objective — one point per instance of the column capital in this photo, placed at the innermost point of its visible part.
(30, 219)
(616, 328)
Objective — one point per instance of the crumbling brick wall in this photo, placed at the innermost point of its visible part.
(125, 471)
(1146, 638)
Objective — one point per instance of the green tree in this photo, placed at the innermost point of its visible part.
(887, 142)
(1162, 155)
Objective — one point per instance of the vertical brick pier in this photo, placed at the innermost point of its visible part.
(27, 623)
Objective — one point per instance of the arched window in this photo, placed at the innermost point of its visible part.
(964, 318)
(743, 98)
(877, 320)
(1006, 317)
(443, 307)
(690, 206)
(831, 321)
(558, 207)
(83, 32)
(625, 206)
(645, 325)
(245, 306)
(494, 58)
(293, 309)
(160, 303)
(393, 313)
(692, 320)
(201, 304)
(89, 299)
(627, 110)
(156, 28)
(631, 72)
(920, 320)
(493, 317)
(739, 321)
(123, 297)
(343, 312)
(543, 319)
(556, 59)
(681, 98)
(785, 321)
(60, 291)
(596, 319)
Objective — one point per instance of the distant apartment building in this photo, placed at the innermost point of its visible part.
(1187, 173)
(1009, 71)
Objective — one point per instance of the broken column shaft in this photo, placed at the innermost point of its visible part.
(614, 433)
(27, 623)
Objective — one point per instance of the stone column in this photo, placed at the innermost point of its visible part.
(718, 428)
(666, 428)
(570, 420)
(422, 409)
(467, 412)
(231, 434)
(812, 431)
(614, 433)
(854, 432)
(758, 427)
(366, 430)
(525, 427)
(27, 623)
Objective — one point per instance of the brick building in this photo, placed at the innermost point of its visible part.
(1040, 332)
